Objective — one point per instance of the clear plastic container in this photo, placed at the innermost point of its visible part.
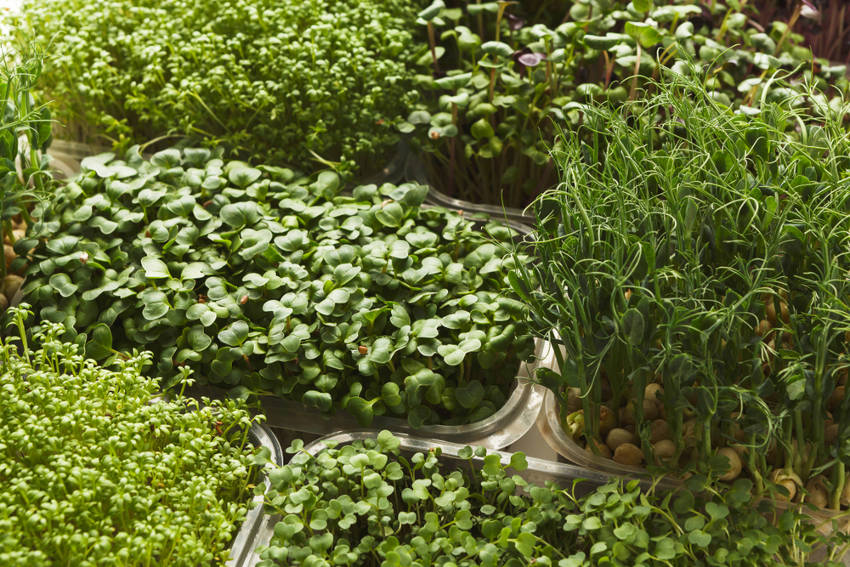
(507, 425)
(548, 423)
(539, 471)
(258, 527)
(413, 169)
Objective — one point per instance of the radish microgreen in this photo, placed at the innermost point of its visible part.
(269, 280)
(370, 504)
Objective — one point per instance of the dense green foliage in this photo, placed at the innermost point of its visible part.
(707, 253)
(25, 134)
(274, 80)
(96, 468)
(278, 282)
(368, 504)
(504, 76)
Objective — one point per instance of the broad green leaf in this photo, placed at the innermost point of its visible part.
(525, 543)
(399, 316)
(344, 273)
(432, 10)
(391, 394)
(155, 268)
(421, 237)
(699, 538)
(390, 214)
(201, 312)
(63, 285)
(453, 82)
(716, 511)
(99, 346)
(321, 401)
(361, 409)
(399, 249)
(198, 339)
(574, 560)
(235, 334)
(498, 48)
(254, 242)
(105, 226)
(480, 8)
(339, 295)
(625, 532)
(470, 394)
(518, 462)
(381, 350)
(104, 167)
(65, 244)
(387, 441)
(291, 343)
(194, 270)
(458, 320)
(243, 213)
(644, 33)
(166, 159)
(326, 184)
(243, 176)
(668, 13)
(196, 156)
(665, 549)
(482, 129)
(155, 305)
(288, 526)
(453, 355)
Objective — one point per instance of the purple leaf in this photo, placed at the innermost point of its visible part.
(515, 22)
(810, 11)
(530, 59)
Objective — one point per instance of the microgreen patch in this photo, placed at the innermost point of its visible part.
(99, 469)
(369, 503)
(277, 282)
(290, 80)
(504, 77)
(702, 304)
(25, 134)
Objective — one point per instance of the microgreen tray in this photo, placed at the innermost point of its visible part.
(509, 215)
(413, 169)
(65, 156)
(548, 423)
(257, 528)
(506, 426)
(539, 471)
